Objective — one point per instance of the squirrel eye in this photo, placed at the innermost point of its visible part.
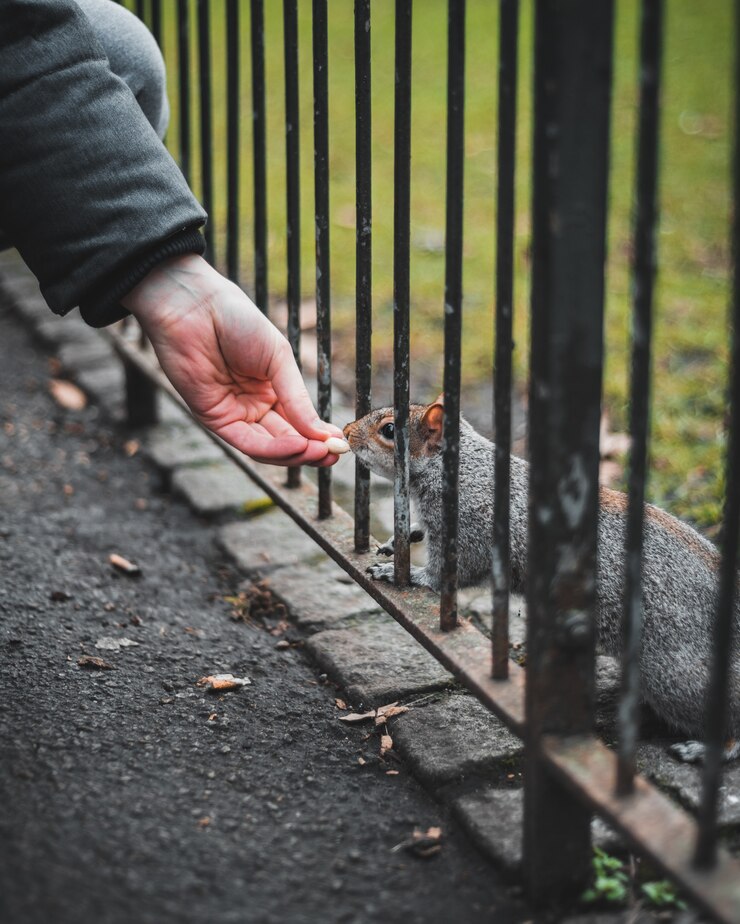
(387, 431)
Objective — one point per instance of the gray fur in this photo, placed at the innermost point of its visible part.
(679, 570)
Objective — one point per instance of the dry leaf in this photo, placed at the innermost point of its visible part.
(67, 395)
(392, 772)
(386, 744)
(340, 704)
(124, 565)
(131, 447)
(422, 843)
(361, 761)
(221, 683)
(357, 716)
(96, 664)
(204, 821)
(387, 712)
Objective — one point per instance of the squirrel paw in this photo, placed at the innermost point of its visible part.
(382, 572)
(415, 535)
(694, 752)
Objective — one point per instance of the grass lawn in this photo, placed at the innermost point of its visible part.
(691, 338)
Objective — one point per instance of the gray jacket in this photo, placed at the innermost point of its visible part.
(88, 193)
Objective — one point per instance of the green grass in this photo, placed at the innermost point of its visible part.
(691, 338)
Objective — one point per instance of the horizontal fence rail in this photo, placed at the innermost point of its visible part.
(569, 774)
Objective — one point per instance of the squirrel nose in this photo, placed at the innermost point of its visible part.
(347, 430)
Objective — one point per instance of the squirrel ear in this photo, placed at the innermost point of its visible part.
(440, 400)
(433, 420)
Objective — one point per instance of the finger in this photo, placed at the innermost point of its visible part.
(255, 442)
(294, 401)
(329, 459)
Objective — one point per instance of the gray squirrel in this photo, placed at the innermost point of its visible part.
(680, 567)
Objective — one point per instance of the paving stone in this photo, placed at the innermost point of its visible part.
(86, 354)
(476, 602)
(685, 781)
(321, 596)
(270, 541)
(106, 386)
(218, 487)
(494, 817)
(449, 740)
(170, 445)
(377, 662)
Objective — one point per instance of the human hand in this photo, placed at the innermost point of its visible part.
(234, 369)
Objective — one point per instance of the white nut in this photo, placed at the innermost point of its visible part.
(337, 445)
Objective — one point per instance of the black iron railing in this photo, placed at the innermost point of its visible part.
(569, 773)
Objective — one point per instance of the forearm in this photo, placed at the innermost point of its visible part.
(88, 193)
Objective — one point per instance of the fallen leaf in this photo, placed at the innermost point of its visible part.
(68, 490)
(67, 395)
(386, 744)
(361, 761)
(423, 844)
(131, 447)
(221, 683)
(340, 704)
(282, 644)
(387, 712)
(204, 821)
(141, 503)
(357, 716)
(392, 772)
(96, 664)
(124, 565)
(108, 643)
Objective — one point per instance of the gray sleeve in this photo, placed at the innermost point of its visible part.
(88, 193)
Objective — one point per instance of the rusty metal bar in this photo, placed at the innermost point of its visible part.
(649, 820)
(582, 764)
(501, 559)
(364, 266)
(573, 54)
(401, 255)
(259, 148)
(321, 198)
(206, 148)
(644, 266)
(156, 24)
(725, 645)
(453, 306)
(293, 189)
(233, 61)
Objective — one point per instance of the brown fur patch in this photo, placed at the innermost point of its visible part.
(684, 534)
(612, 501)
(616, 502)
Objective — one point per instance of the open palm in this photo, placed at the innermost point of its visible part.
(233, 368)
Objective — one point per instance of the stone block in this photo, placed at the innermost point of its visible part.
(377, 662)
(217, 488)
(494, 818)
(685, 781)
(321, 596)
(449, 740)
(171, 445)
(265, 543)
(105, 385)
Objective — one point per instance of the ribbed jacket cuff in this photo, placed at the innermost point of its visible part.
(103, 305)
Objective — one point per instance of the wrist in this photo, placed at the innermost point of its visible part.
(171, 290)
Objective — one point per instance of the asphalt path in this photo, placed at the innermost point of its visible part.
(132, 794)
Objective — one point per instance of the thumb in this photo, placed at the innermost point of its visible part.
(295, 404)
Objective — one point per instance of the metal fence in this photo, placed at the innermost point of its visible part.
(569, 773)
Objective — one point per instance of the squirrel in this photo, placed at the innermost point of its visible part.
(680, 567)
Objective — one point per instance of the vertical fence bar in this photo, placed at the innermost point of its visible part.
(293, 189)
(183, 62)
(259, 156)
(573, 53)
(453, 306)
(717, 706)
(364, 269)
(321, 196)
(646, 213)
(157, 21)
(501, 559)
(232, 139)
(140, 8)
(206, 146)
(401, 232)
